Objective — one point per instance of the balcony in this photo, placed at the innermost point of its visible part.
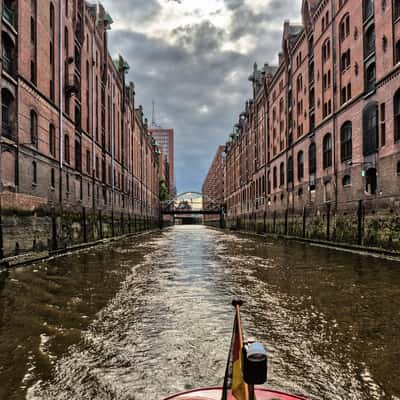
(9, 14)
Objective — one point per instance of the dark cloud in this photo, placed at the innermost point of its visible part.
(198, 87)
(137, 11)
(233, 4)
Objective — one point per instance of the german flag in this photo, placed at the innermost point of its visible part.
(233, 375)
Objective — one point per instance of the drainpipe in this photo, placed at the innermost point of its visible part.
(60, 96)
(334, 105)
(93, 122)
(112, 145)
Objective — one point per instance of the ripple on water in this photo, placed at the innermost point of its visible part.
(168, 327)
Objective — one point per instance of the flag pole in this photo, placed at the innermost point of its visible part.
(237, 303)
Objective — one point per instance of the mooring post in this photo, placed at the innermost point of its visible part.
(84, 225)
(328, 221)
(360, 222)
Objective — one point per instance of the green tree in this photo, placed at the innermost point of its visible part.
(164, 190)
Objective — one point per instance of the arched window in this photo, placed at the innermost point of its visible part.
(8, 113)
(34, 128)
(326, 50)
(281, 174)
(312, 159)
(66, 149)
(346, 180)
(368, 8)
(370, 129)
(396, 113)
(290, 170)
(344, 27)
(327, 151)
(275, 177)
(346, 142)
(52, 140)
(300, 166)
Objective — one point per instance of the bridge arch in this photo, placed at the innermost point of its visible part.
(169, 202)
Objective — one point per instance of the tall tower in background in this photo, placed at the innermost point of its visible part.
(165, 139)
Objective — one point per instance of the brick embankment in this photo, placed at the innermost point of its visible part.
(346, 247)
(31, 235)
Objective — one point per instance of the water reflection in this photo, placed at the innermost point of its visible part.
(145, 318)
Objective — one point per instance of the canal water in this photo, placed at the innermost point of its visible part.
(147, 317)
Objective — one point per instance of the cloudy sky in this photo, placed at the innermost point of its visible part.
(193, 58)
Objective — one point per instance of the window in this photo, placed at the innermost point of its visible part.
(327, 151)
(398, 168)
(370, 78)
(397, 52)
(34, 128)
(88, 162)
(66, 149)
(281, 174)
(346, 181)
(345, 61)
(312, 158)
(51, 18)
(52, 140)
(396, 9)
(346, 142)
(344, 27)
(33, 31)
(326, 50)
(97, 168)
(383, 124)
(67, 183)
(370, 129)
(300, 166)
(34, 173)
(66, 41)
(52, 179)
(396, 113)
(290, 170)
(369, 43)
(275, 178)
(368, 9)
(371, 181)
(78, 155)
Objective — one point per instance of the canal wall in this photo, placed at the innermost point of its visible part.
(40, 231)
(371, 223)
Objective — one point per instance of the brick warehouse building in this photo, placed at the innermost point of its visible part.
(322, 130)
(72, 137)
(213, 186)
(105, 157)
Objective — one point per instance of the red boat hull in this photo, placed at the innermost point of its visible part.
(216, 393)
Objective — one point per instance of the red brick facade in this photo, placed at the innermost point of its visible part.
(323, 127)
(213, 186)
(97, 153)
